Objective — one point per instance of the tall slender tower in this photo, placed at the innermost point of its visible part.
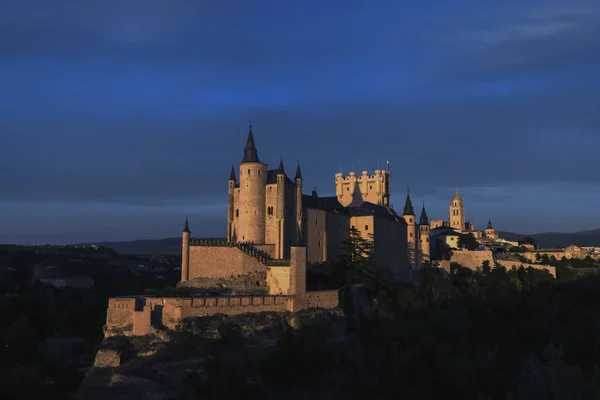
(411, 231)
(252, 210)
(230, 204)
(457, 213)
(185, 252)
(280, 212)
(424, 236)
(298, 180)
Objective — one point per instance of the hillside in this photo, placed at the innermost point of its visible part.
(147, 246)
(557, 239)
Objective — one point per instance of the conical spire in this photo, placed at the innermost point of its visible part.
(281, 169)
(186, 228)
(298, 173)
(232, 174)
(424, 220)
(489, 223)
(408, 207)
(250, 152)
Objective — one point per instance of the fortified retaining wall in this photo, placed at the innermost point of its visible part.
(472, 259)
(221, 262)
(134, 316)
(517, 264)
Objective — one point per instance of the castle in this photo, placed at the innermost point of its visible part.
(268, 213)
(274, 232)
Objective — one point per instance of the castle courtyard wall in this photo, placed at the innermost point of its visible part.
(472, 259)
(517, 264)
(221, 262)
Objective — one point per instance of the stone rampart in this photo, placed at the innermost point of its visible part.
(472, 259)
(508, 264)
(142, 315)
(323, 299)
(222, 262)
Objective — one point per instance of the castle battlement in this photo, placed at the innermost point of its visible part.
(141, 315)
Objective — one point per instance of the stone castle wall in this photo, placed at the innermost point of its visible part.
(221, 262)
(472, 259)
(517, 264)
(142, 315)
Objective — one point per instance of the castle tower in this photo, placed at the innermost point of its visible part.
(424, 236)
(185, 252)
(457, 213)
(411, 233)
(280, 212)
(253, 179)
(230, 205)
(298, 181)
(353, 190)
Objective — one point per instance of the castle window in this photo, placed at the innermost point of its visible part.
(317, 222)
(411, 234)
(410, 220)
(237, 213)
(347, 189)
(370, 187)
(259, 172)
(352, 226)
(427, 240)
(366, 227)
(248, 171)
(319, 244)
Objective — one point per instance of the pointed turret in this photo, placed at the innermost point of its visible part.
(186, 228)
(232, 174)
(250, 152)
(408, 207)
(298, 173)
(281, 169)
(424, 220)
(489, 224)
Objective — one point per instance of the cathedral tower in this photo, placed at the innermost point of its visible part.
(411, 233)
(457, 213)
(253, 179)
(490, 232)
(185, 251)
(424, 233)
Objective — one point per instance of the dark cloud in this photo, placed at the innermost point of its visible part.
(145, 104)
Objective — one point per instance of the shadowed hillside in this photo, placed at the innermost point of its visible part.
(148, 246)
(557, 239)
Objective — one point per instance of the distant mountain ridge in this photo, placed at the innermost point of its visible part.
(543, 240)
(558, 239)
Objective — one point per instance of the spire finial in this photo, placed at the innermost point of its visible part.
(408, 207)
(281, 170)
(186, 228)
(232, 174)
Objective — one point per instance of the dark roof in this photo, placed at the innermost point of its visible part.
(250, 152)
(186, 228)
(423, 220)
(444, 230)
(281, 169)
(272, 177)
(489, 224)
(298, 173)
(365, 209)
(232, 174)
(408, 207)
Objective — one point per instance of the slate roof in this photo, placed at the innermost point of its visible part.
(250, 152)
(424, 220)
(272, 177)
(365, 209)
(444, 230)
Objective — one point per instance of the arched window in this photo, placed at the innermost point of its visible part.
(259, 172)
(237, 213)
(248, 171)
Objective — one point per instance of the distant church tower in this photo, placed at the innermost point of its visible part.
(411, 231)
(457, 213)
(424, 232)
(253, 178)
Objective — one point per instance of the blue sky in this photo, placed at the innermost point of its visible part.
(119, 118)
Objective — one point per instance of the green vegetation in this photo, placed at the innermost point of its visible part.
(468, 242)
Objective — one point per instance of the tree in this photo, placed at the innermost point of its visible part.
(356, 253)
(468, 242)
(528, 240)
(442, 251)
